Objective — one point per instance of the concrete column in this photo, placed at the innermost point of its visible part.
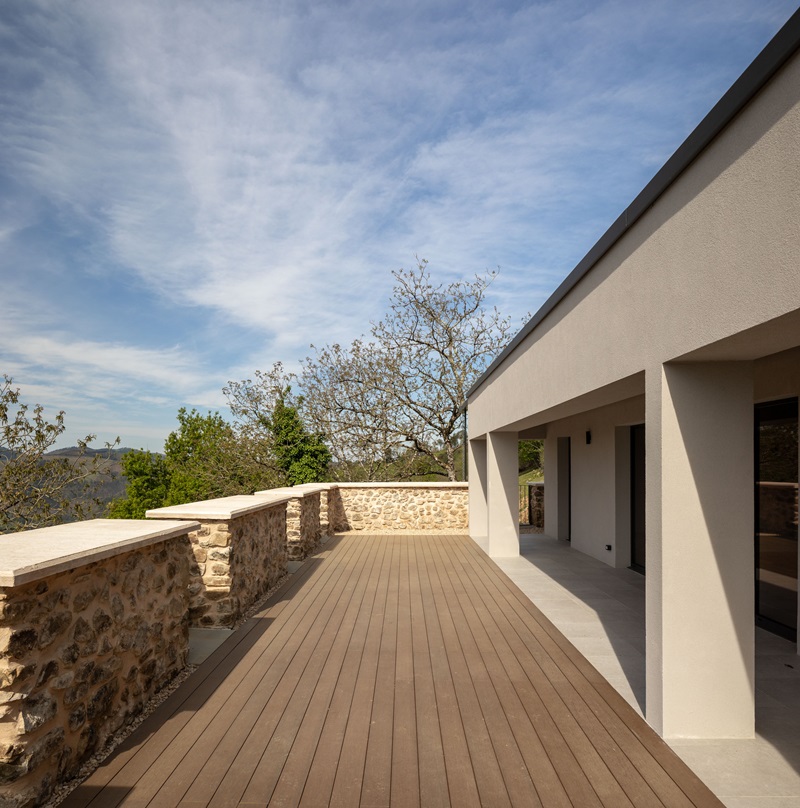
(478, 519)
(503, 493)
(700, 591)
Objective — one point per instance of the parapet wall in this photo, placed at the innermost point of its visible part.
(239, 551)
(85, 642)
(400, 507)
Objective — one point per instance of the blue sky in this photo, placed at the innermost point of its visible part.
(190, 191)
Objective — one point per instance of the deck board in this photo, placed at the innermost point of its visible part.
(395, 671)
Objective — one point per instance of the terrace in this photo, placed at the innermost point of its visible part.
(396, 665)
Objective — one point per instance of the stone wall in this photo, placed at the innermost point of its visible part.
(334, 513)
(235, 562)
(81, 652)
(303, 524)
(399, 507)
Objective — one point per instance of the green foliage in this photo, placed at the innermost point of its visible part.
(148, 483)
(530, 455)
(195, 455)
(300, 455)
(35, 490)
(207, 457)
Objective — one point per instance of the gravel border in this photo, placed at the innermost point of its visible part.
(92, 764)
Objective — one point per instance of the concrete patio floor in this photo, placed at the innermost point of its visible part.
(601, 611)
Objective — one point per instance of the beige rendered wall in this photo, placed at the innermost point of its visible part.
(595, 477)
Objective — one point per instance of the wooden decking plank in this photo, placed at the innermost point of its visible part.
(376, 788)
(200, 685)
(433, 791)
(606, 700)
(396, 671)
(200, 740)
(350, 772)
(146, 772)
(525, 723)
(280, 675)
(636, 770)
(296, 737)
(590, 744)
(461, 778)
(322, 771)
(134, 755)
(487, 768)
(405, 790)
(612, 775)
(516, 776)
(555, 736)
(686, 780)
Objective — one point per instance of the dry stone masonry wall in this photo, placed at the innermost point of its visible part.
(386, 507)
(80, 654)
(235, 562)
(303, 529)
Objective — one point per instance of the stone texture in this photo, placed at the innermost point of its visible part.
(80, 654)
(398, 508)
(234, 563)
(303, 525)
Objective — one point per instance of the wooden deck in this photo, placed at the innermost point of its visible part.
(402, 671)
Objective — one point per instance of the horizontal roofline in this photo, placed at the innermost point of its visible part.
(776, 53)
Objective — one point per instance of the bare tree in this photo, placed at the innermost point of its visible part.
(345, 397)
(36, 490)
(399, 395)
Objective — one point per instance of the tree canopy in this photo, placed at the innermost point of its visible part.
(393, 399)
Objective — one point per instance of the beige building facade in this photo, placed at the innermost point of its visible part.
(663, 376)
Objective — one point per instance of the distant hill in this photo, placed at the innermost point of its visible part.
(108, 488)
(74, 451)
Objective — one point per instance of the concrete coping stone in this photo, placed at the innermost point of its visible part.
(31, 555)
(404, 485)
(222, 508)
(297, 491)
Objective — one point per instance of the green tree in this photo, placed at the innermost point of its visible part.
(271, 429)
(36, 490)
(198, 458)
(303, 457)
(148, 483)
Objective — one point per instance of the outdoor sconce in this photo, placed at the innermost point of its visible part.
(588, 437)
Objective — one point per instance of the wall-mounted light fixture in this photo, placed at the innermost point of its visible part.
(588, 436)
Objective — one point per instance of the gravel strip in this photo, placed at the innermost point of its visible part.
(89, 766)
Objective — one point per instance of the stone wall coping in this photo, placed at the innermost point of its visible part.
(297, 491)
(222, 508)
(314, 488)
(404, 485)
(31, 555)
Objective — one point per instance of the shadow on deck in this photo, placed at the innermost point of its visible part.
(395, 670)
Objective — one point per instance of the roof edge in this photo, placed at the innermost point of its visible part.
(771, 59)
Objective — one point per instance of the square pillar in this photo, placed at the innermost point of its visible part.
(502, 465)
(478, 514)
(700, 568)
